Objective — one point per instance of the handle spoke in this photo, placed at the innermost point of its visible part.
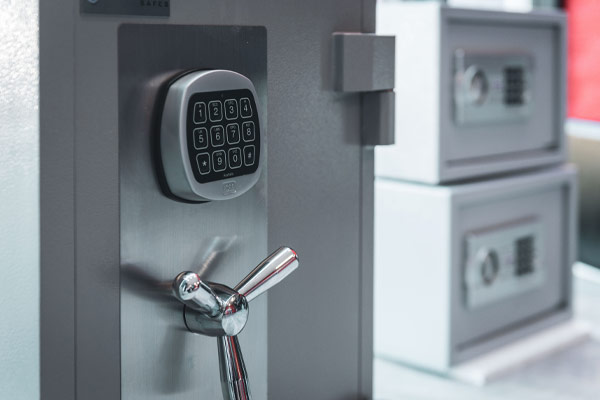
(268, 273)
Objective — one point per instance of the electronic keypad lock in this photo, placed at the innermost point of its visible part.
(211, 136)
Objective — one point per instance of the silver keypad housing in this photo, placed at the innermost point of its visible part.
(177, 165)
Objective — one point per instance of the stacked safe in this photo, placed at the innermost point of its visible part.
(474, 213)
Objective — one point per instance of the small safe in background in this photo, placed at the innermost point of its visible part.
(463, 269)
(477, 92)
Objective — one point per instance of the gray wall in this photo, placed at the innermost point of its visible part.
(19, 212)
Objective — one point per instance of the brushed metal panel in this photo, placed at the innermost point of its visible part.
(161, 237)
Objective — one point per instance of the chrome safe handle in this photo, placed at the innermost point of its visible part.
(268, 273)
(234, 378)
(213, 309)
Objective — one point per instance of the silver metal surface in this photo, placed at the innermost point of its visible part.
(268, 273)
(228, 319)
(234, 378)
(175, 159)
(193, 292)
(160, 236)
(217, 310)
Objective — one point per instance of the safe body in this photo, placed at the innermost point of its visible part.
(112, 238)
(478, 92)
(439, 300)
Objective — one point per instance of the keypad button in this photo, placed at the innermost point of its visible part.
(233, 133)
(231, 109)
(249, 156)
(199, 113)
(200, 138)
(217, 136)
(235, 157)
(219, 161)
(248, 131)
(215, 111)
(203, 161)
(245, 108)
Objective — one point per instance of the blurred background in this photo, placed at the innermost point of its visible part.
(514, 333)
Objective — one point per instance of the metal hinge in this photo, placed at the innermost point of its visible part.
(365, 63)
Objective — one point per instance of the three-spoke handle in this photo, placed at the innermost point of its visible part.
(213, 309)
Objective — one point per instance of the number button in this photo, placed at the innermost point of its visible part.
(217, 137)
(248, 131)
(203, 161)
(235, 157)
(245, 108)
(199, 113)
(219, 162)
(200, 138)
(231, 109)
(233, 133)
(215, 111)
(249, 156)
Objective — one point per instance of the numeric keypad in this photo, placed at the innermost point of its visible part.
(224, 134)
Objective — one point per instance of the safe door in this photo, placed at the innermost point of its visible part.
(193, 214)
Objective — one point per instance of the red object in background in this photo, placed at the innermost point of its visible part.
(584, 59)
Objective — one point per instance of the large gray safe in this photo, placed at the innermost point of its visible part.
(113, 237)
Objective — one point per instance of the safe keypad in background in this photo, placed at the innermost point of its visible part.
(223, 134)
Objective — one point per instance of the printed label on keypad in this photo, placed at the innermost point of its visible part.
(245, 108)
(235, 157)
(200, 138)
(223, 134)
(203, 161)
(200, 113)
(231, 109)
(215, 111)
(217, 137)
(233, 133)
(219, 161)
(249, 155)
(248, 131)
